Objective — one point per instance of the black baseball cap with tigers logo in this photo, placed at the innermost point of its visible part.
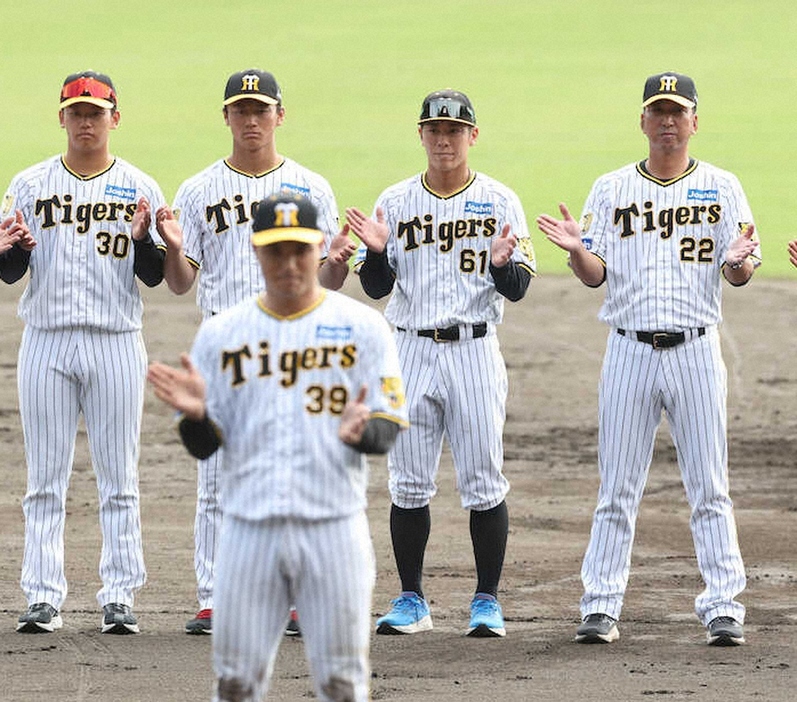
(252, 84)
(670, 86)
(449, 105)
(286, 216)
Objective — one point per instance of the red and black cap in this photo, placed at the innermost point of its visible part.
(88, 86)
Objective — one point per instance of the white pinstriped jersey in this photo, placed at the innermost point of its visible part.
(214, 208)
(673, 235)
(276, 387)
(439, 248)
(81, 270)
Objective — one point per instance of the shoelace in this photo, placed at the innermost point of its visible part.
(406, 604)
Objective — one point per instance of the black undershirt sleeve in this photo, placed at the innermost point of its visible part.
(13, 264)
(148, 261)
(379, 436)
(511, 280)
(201, 438)
(376, 275)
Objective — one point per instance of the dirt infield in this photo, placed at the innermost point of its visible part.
(553, 345)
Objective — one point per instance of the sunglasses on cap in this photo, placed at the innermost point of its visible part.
(87, 87)
(447, 108)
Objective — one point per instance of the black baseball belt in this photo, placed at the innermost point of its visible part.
(449, 333)
(663, 339)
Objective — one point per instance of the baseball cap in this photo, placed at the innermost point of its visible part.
(88, 86)
(285, 216)
(449, 105)
(670, 86)
(255, 84)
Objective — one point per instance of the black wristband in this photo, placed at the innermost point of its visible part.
(148, 261)
(201, 438)
(379, 436)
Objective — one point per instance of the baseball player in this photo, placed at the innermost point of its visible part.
(85, 234)
(214, 217)
(451, 244)
(793, 252)
(296, 383)
(660, 233)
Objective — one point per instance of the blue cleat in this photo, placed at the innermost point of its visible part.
(486, 618)
(408, 615)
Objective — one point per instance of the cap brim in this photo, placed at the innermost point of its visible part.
(446, 119)
(99, 102)
(684, 102)
(252, 96)
(277, 234)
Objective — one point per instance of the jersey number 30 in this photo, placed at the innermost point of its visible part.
(118, 245)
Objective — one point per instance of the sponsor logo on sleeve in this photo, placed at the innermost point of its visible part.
(744, 228)
(524, 244)
(8, 204)
(393, 390)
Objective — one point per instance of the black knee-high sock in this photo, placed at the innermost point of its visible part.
(409, 530)
(488, 532)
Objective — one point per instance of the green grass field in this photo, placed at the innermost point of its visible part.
(556, 85)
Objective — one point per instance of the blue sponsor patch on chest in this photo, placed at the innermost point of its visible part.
(328, 332)
(702, 195)
(478, 208)
(112, 190)
(292, 187)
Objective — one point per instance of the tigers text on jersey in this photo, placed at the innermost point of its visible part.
(272, 382)
(214, 209)
(439, 248)
(672, 233)
(81, 270)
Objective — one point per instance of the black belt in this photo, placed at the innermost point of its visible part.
(449, 333)
(663, 340)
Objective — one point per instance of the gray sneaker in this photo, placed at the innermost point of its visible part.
(118, 619)
(39, 618)
(292, 627)
(202, 623)
(724, 631)
(597, 628)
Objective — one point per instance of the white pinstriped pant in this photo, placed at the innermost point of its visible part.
(458, 390)
(326, 568)
(207, 525)
(60, 375)
(688, 383)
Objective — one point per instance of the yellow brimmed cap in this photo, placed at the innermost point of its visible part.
(286, 216)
